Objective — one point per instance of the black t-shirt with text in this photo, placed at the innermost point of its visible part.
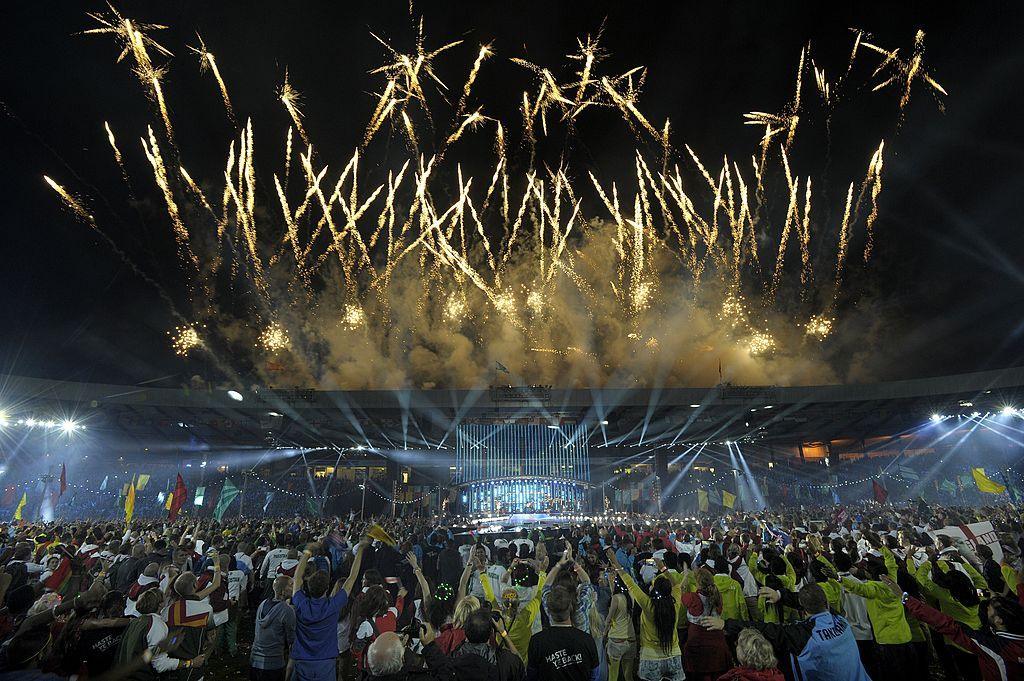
(563, 654)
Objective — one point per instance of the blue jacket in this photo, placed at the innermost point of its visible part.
(821, 648)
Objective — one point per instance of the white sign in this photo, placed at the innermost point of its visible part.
(974, 534)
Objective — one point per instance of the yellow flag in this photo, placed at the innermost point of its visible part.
(129, 504)
(379, 533)
(702, 500)
(728, 499)
(141, 483)
(985, 484)
(170, 498)
(21, 505)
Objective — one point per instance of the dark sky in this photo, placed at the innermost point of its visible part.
(950, 233)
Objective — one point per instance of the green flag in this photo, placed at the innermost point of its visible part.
(227, 495)
(313, 505)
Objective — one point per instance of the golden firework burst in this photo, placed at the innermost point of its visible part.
(275, 338)
(819, 326)
(185, 339)
(760, 343)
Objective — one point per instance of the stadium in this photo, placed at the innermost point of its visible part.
(535, 341)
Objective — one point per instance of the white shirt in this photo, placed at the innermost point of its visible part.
(495, 572)
(466, 550)
(855, 609)
(272, 561)
(237, 582)
(519, 542)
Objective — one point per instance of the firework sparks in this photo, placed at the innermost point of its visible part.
(346, 243)
(274, 338)
(185, 339)
(819, 326)
(760, 344)
(903, 73)
(208, 62)
(353, 317)
(290, 97)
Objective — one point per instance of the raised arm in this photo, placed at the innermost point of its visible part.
(424, 586)
(300, 571)
(356, 564)
(464, 579)
(216, 579)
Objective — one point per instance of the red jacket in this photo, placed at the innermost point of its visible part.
(1000, 655)
(748, 674)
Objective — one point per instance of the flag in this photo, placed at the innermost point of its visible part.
(379, 533)
(1010, 488)
(168, 498)
(129, 504)
(21, 505)
(948, 486)
(907, 473)
(227, 495)
(103, 485)
(881, 494)
(702, 500)
(715, 497)
(140, 484)
(498, 366)
(200, 491)
(63, 480)
(124, 489)
(835, 497)
(177, 499)
(266, 504)
(985, 484)
(728, 499)
(313, 505)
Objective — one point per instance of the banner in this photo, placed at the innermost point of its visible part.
(21, 505)
(178, 497)
(63, 479)
(379, 533)
(141, 483)
(129, 504)
(227, 495)
(985, 484)
(200, 491)
(974, 534)
(702, 501)
(728, 499)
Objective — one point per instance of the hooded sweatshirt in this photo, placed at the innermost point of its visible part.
(275, 633)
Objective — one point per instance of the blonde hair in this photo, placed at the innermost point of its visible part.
(463, 609)
(754, 651)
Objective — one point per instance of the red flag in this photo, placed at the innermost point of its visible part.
(63, 480)
(881, 494)
(178, 500)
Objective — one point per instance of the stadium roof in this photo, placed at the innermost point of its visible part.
(127, 418)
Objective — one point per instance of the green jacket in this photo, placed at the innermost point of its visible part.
(885, 610)
(947, 604)
(734, 605)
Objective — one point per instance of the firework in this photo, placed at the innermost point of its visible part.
(760, 343)
(274, 338)
(819, 326)
(353, 317)
(903, 73)
(411, 249)
(185, 339)
(208, 61)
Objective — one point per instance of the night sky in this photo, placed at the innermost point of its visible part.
(949, 272)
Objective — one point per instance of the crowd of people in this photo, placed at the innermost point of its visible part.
(873, 592)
